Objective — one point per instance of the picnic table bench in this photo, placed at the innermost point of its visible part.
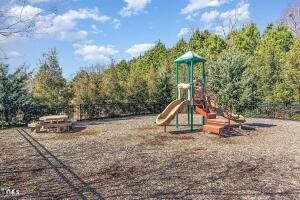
(52, 122)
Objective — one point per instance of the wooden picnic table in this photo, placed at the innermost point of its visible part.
(57, 122)
(54, 118)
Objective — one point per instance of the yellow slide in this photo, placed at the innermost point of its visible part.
(170, 112)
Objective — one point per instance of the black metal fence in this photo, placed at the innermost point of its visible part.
(275, 110)
(23, 114)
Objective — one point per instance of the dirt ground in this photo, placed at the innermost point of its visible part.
(131, 158)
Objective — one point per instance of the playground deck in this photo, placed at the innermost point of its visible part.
(131, 158)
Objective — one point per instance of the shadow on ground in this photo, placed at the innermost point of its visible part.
(43, 175)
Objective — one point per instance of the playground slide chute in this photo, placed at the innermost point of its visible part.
(170, 112)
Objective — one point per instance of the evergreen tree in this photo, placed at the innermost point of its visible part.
(196, 41)
(227, 81)
(165, 92)
(269, 58)
(180, 48)
(123, 70)
(137, 88)
(288, 90)
(50, 86)
(13, 93)
(86, 88)
(213, 47)
(111, 84)
(246, 40)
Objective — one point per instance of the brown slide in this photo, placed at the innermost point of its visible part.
(170, 112)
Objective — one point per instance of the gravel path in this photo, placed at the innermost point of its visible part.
(131, 158)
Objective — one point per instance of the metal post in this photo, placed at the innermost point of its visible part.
(79, 112)
(192, 93)
(203, 90)
(176, 92)
(188, 108)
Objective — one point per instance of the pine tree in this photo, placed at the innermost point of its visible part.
(229, 81)
(269, 59)
(246, 40)
(86, 88)
(288, 90)
(112, 85)
(50, 85)
(165, 92)
(196, 41)
(13, 93)
(137, 88)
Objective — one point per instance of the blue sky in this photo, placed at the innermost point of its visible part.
(91, 31)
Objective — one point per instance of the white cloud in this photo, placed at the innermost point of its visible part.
(23, 12)
(95, 29)
(68, 20)
(117, 23)
(92, 52)
(38, 1)
(195, 5)
(240, 13)
(133, 7)
(8, 45)
(227, 20)
(61, 25)
(139, 49)
(13, 55)
(78, 35)
(184, 31)
(210, 16)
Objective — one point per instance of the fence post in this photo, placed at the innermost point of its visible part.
(78, 112)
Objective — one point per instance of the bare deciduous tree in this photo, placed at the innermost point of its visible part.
(291, 18)
(17, 23)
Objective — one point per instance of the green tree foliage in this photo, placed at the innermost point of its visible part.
(86, 88)
(165, 92)
(229, 81)
(288, 90)
(112, 87)
(123, 70)
(245, 40)
(206, 44)
(244, 69)
(50, 86)
(180, 48)
(269, 58)
(137, 88)
(13, 92)
(196, 41)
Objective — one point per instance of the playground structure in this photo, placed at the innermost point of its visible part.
(192, 95)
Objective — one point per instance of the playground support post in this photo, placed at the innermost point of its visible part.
(203, 86)
(176, 92)
(192, 93)
(188, 109)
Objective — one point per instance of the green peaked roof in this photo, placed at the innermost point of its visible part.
(190, 56)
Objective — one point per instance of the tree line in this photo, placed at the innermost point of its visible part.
(243, 69)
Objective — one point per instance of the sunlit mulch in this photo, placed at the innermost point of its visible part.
(131, 158)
